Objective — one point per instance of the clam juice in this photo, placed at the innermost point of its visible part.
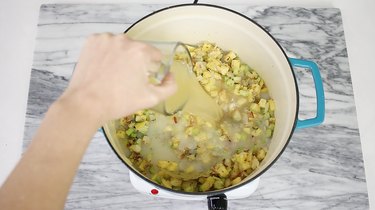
(191, 96)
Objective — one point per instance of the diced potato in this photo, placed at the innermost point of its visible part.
(206, 74)
(204, 81)
(244, 68)
(169, 165)
(206, 47)
(216, 75)
(229, 56)
(250, 96)
(172, 166)
(200, 67)
(237, 79)
(244, 92)
(221, 170)
(210, 85)
(244, 165)
(189, 169)
(123, 121)
(145, 140)
(261, 82)
(254, 108)
(254, 163)
(176, 182)
(140, 118)
(266, 108)
(262, 103)
(229, 82)
(219, 184)
(235, 64)
(255, 88)
(244, 160)
(256, 132)
(175, 142)
(235, 171)
(268, 132)
(227, 182)
(272, 105)
(166, 183)
(139, 112)
(189, 186)
(236, 71)
(253, 75)
(202, 179)
(266, 116)
(207, 184)
(135, 148)
(261, 154)
(143, 165)
(152, 170)
(163, 164)
(237, 89)
(223, 69)
(151, 117)
(236, 181)
(120, 134)
(142, 127)
(156, 178)
(213, 65)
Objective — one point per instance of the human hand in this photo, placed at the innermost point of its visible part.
(111, 77)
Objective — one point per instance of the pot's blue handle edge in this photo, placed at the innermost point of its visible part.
(320, 103)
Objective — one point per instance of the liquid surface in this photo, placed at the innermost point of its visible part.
(191, 95)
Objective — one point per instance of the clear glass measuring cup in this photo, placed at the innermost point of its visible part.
(176, 59)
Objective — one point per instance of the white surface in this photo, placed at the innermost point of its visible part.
(18, 21)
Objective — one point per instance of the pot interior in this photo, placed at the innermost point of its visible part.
(196, 23)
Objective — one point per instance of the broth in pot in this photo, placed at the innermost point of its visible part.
(214, 142)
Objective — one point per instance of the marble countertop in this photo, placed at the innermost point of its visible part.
(322, 167)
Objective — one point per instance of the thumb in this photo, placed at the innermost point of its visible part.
(167, 88)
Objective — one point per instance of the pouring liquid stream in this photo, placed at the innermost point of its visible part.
(191, 96)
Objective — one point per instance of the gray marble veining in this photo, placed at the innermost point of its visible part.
(322, 167)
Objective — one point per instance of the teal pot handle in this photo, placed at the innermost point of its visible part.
(320, 104)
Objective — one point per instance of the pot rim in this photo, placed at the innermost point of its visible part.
(278, 155)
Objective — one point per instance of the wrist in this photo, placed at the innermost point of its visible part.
(80, 107)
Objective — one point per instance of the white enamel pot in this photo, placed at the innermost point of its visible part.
(194, 23)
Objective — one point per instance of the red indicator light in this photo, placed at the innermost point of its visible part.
(154, 191)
